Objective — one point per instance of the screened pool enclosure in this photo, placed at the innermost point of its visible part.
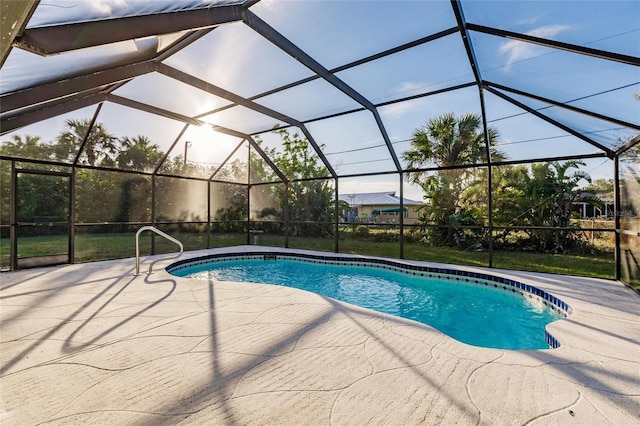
(503, 134)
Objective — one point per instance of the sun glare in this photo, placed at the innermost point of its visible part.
(206, 146)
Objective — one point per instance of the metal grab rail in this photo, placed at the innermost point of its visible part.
(162, 234)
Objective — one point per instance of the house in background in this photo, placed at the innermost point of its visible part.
(590, 210)
(379, 207)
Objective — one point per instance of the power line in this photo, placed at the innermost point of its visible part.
(368, 161)
(560, 136)
(365, 148)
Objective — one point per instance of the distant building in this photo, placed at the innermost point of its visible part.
(379, 207)
(588, 210)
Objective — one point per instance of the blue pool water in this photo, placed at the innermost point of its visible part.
(474, 314)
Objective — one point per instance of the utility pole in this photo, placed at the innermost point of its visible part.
(187, 144)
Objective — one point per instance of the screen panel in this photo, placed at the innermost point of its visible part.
(125, 138)
(180, 200)
(558, 75)
(428, 67)
(353, 143)
(630, 216)
(55, 139)
(402, 120)
(238, 60)
(310, 100)
(152, 89)
(523, 136)
(610, 25)
(198, 152)
(336, 33)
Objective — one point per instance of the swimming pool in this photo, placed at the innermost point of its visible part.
(474, 308)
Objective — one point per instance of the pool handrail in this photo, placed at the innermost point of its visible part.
(162, 234)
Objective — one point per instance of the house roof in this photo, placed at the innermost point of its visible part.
(605, 196)
(376, 199)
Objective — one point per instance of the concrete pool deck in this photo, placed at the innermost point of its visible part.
(95, 344)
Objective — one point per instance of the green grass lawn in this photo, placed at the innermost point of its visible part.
(91, 247)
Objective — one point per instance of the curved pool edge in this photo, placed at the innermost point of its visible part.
(455, 273)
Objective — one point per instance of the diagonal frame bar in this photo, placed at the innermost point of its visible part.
(564, 106)
(573, 48)
(538, 114)
(63, 38)
(262, 28)
(239, 100)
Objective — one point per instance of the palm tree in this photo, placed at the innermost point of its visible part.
(309, 202)
(138, 153)
(100, 145)
(448, 142)
(546, 198)
(566, 194)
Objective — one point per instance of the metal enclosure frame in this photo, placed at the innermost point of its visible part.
(45, 100)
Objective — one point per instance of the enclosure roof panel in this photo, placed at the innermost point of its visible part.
(356, 78)
(607, 25)
(58, 12)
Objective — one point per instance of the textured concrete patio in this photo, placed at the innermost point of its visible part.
(95, 344)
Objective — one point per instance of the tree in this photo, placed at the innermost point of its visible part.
(26, 146)
(32, 206)
(309, 202)
(100, 148)
(447, 142)
(605, 185)
(509, 201)
(32, 187)
(138, 153)
(231, 197)
(541, 197)
(565, 195)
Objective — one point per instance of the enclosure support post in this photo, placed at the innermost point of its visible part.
(336, 217)
(153, 212)
(248, 214)
(286, 214)
(248, 194)
(208, 214)
(401, 212)
(13, 231)
(490, 208)
(487, 142)
(72, 216)
(617, 212)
